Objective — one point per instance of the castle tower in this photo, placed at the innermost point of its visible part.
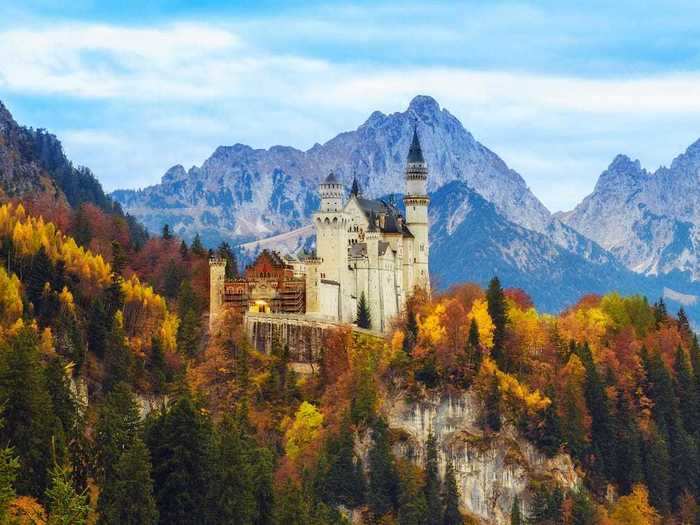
(217, 274)
(331, 192)
(416, 201)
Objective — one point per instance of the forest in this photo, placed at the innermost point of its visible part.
(118, 406)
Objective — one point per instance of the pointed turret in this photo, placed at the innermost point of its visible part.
(356, 191)
(415, 153)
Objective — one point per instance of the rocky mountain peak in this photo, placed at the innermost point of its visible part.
(424, 105)
(174, 174)
(623, 173)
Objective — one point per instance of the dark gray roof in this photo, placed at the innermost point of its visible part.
(358, 250)
(415, 153)
(383, 247)
(331, 179)
(355, 187)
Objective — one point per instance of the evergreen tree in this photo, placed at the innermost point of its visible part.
(179, 440)
(157, 366)
(118, 360)
(657, 473)
(166, 232)
(583, 510)
(450, 498)
(411, 332)
(29, 422)
(99, 325)
(173, 276)
(65, 505)
(127, 497)
(660, 312)
(413, 507)
(383, 479)
(9, 467)
(516, 517)
(473, 350)
(491, 417)
(82, 230)
(40, 277)
(184, 250)
(432, 487)
(231, 490)
(364, 318)
(119, 258)
(197, 248)
(684, 323)
(628, 445)
(342, 481)
(224, 251)
(117, 428)
(602, 433)
(497, 311)
(686, 392)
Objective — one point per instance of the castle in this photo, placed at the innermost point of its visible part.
(363, 248)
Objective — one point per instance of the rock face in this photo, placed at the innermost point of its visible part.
(490, 471)
(242, 194)
(650, 221)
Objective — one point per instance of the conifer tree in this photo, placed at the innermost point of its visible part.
(657, 473)
(9, 467)
(383, 479)
(686, 392)
(172, 278)
(99, 325)
(118, 360)
(197, 248)
(342, 480)
(660, 312)
(118, 426)
(179, 440)
(127, 497)
(432, 487)
(474, 356)
(40, 275)
(29, 422)
(684, 323)
(224, 251)
(166, 232)
(628, 448)
(231, 491)
(491, 418)
(413, 507)
(364, 318)
(411, 332)
(515, 513)
(450, 498)
(65, 505)
(497, 311)
(184, 250)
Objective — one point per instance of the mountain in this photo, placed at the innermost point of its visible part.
(471, 241)
(223, 198)
(650, 221)
(32, 162)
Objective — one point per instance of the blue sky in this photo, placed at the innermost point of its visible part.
(556, 89)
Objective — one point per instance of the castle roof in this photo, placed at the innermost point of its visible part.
(388, 212)
(331, 179)
(415, 153)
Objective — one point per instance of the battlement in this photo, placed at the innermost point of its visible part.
(217, 261)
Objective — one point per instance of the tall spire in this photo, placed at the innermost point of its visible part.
(415, 153)
(356, 191)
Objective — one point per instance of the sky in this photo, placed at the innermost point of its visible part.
(556, 88)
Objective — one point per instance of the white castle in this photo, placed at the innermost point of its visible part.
(363, 248)
(367, 247)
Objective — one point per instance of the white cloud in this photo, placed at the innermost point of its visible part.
(190, 87)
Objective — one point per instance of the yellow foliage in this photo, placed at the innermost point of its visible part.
(25, 510)
(480, 313)
(10, 298)
(513, 391)
(66, 299)
(634, 509)
(585, 324)
(46, 343)
(430, 327)
(529, 326)
(304, 430)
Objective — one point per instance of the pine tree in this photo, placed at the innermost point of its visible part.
(686, 392)
(172, 278)
(516, 517)
(184, 250)
(40, 276)
(224, 251)
(197, 248)
(9, 468)
(450, 498)
(413, 507)
(383, 479)
(474, 347)
(99, 325)
(118, 426)
(657, 473)
(660, 312)
(166, 233)
(65, 505)
(342, 480)
(497, 311)
(411, 332)
(364, 318)
(127, 497)
(118, 360)
(29, 422)
(157, 366)
(684, 323)
(628, 445)
(491, 418)
(119, 258)
(231, 490)
(432, 482)
(179, 440)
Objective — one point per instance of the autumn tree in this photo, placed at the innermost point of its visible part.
(635, 509)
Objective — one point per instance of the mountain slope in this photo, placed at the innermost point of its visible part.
(650, 221)
(472, 241)
(241, 194)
